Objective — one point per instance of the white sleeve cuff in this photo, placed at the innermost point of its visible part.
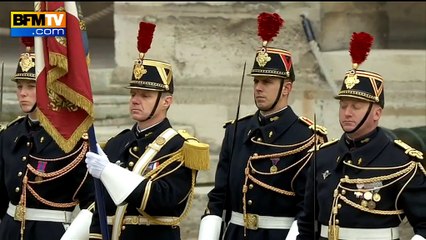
(293, 232)
(210, 228)
(417, 237)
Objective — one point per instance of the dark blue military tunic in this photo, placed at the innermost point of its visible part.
(371, 183)
(275, 152)
(27, 150)
(168, 194)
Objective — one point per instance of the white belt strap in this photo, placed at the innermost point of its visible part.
(364, 233)
(255, 221)
(147, 156)
(34, 214)
(138, 220)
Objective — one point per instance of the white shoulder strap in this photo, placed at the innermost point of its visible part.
(140, 166)
(153, 149)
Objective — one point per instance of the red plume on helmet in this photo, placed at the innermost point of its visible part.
(145, 35)
(28, 42)
(359, 48)
(269, 25)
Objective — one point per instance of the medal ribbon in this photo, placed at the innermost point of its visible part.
(275, 161)
(41, 166)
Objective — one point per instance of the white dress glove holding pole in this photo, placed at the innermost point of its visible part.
(96, 163)
(118, 181)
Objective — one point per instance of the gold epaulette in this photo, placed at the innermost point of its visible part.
(232, 121)
(16, 120)
(310, 123)
(410, 151)
(196, 155)
(2, 128)
(322, 145)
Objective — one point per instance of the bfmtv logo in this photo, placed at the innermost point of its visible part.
(37, 24)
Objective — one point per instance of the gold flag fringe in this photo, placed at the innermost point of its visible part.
(65, 144)
(62, 89)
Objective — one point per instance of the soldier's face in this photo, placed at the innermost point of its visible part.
(142, 102)
(26, 93)
(351, 113)
(266, 90)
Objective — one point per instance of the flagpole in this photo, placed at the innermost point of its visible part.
(40, 65)
(99, 190)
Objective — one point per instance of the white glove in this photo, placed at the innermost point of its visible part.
(96, 163)
(417, 237)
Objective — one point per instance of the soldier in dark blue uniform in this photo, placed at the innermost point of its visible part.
(40, 184)
(260, 177)
(149, 170)
(365, 183)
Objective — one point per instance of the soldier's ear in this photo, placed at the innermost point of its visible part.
(377, 112)
(168, 100)
(287, 86)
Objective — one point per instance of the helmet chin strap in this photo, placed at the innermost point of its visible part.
(154, 108)
(278, 95)
(362, 121)
(33, 108)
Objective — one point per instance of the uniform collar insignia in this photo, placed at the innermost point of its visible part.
(274, 118)
(325, 174)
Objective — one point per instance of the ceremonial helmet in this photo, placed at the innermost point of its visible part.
(271, 61)
(362, 84)
(26, 64)
(149, 74)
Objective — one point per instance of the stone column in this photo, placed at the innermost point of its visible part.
(340, 19)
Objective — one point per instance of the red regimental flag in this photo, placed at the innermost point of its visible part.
(64, 94)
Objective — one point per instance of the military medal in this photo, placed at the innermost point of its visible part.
(364, 203)
(357, 194)
(368, 195)
(41, 166)
(371, 205)
(274, 168)
(376, 197)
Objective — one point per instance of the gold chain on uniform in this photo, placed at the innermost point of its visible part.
(306, 143)
(310, 139)
(52, 175)
(56, 174)
(280, 171)
(286, 153)
(153, 174)
(409, 167)
(60, 158)
(333, 224)
(374, 211)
